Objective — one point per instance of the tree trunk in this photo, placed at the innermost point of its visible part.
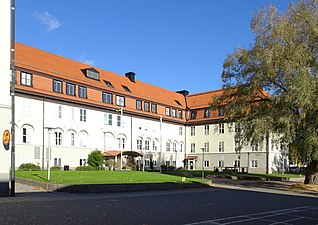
(312, 173)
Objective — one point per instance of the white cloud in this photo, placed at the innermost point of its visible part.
(48, 20)
(83, 59)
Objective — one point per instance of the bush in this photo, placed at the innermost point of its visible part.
(95, 159)
(85, 168)
(29, 166)
(56, 168)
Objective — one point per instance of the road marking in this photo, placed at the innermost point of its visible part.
(263, 216)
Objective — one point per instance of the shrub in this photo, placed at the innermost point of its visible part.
(29, 166)
(56, 168)
(95, 159)
(85, 168)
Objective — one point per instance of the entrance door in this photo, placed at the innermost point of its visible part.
(191, 165)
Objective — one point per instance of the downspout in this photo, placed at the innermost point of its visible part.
(131, 132)
(43, 123)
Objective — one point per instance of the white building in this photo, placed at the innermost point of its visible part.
(88, 108)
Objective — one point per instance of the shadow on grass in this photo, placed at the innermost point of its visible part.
(116, 188)
(111, 188)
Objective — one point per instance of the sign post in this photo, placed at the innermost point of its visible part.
(5, 108)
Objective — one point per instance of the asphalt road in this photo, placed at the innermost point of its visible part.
(205, 206)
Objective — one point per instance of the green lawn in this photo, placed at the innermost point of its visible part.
(103, 177)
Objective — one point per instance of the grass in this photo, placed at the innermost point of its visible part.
(103, 177)
(197, 173)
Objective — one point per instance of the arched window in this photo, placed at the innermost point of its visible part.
(83, 135)
(27, 133)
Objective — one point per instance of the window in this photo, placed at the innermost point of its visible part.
(174, 113)
(57, 162)
(139, 144)
(119, 121)
(71, 114)
(254, 164)
(83, 138)
(83, 115)
(168, 113)
(108, 84)
(26, 134)
(83, 162)
(237, 146)
(206, 163)
(221, 128)
(207, 113)
(180, 130)
(154, 108)
(126, 88)
(254, 147)
(221, 163)
(206, 147)
(192, 131)
(221, 146)
(206, 129)
(237, 128)
(82, 92)
(221, 112)
(193, 115)
(27, 107)
(168, 146)
(57, 86)
(70, 89)
(139, 104)
(174, 147)
(107, 98)
(147, 162)
(26, 79)
(147, 106)
(58, 138)
(192, 148)
(108, 119)
(72, 138)
(92, 73)
(120, 100)
(236, 163)
(59, 112)
(181, 147)
(147, 142)
(121, 143)
(154, 146)
(180, 114)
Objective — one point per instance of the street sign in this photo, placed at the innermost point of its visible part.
(6, 137)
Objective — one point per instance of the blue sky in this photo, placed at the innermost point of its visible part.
(174, 44)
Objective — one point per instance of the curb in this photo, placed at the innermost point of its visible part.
(110, 188)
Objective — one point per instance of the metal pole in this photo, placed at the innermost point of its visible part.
(13, 80)
(49, 155)
(120, 140)
(203, 149)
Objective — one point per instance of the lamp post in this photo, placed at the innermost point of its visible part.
(203, 150)
(48, 158)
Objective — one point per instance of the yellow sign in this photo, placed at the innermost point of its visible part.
(6, 137)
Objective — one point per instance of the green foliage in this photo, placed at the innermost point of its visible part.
(85, 168)
(95, 159)
(29, 166)
(281, 62)
(56, 168)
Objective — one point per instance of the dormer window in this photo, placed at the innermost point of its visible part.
(91, 73)
(178, 102)
(126, 88)
(108, 84)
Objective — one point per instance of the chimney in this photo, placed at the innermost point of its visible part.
(183, 92)
(131, 76)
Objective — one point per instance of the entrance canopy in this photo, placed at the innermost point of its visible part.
(190, 157)
(113, 153)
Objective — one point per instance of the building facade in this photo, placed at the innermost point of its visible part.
(65, 109)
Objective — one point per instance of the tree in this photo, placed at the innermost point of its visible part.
(272, 87)
(95, 159)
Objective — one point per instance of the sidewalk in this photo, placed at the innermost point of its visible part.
(282, 187)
